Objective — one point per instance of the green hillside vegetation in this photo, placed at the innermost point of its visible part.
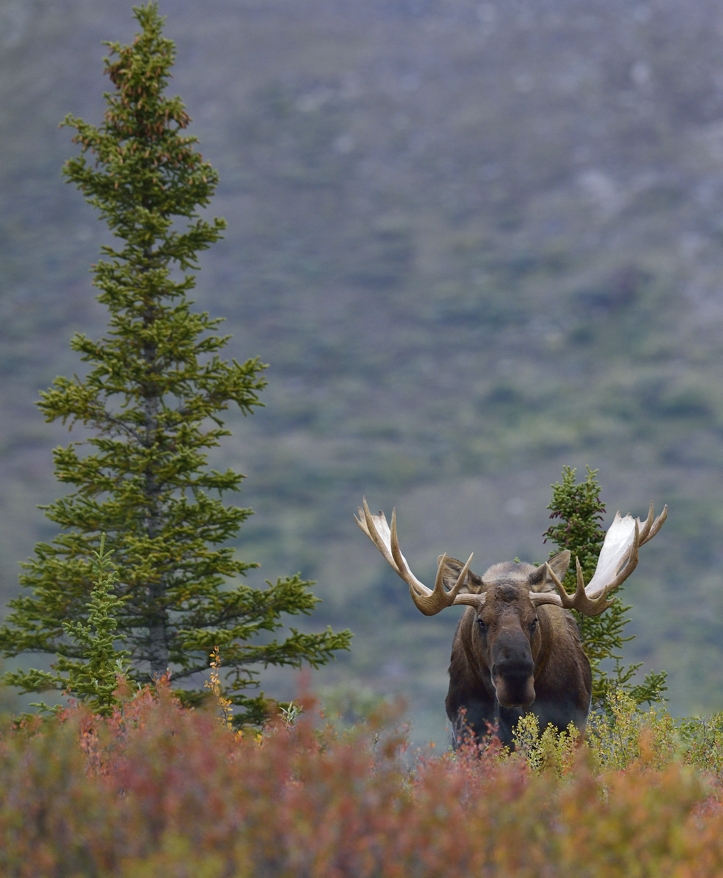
(475, 242)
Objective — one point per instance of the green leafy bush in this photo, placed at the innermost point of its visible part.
(550, 751)
(701, 740)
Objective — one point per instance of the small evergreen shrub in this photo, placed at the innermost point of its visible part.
(97, 674)
(578, 511)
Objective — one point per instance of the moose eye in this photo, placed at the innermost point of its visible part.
(482, 626)
(533, 624)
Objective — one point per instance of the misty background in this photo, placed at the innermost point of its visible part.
(474, 241)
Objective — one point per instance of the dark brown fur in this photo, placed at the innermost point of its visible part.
(524, 660)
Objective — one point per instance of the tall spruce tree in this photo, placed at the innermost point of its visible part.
(151, 405)
(580, 510)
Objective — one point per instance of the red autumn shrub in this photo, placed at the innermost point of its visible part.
(156, 790)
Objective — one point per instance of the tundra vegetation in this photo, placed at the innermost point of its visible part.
(156, 789)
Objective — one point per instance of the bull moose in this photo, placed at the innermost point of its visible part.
(517, 648)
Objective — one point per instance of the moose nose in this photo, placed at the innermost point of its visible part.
(514, 681)
(514, 666)
(513, 659)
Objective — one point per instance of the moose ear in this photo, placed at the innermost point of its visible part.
(539, 581)
(450, 573)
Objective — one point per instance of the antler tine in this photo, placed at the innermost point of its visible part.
(400, 564)
(647, 524)
(562, 598)
(649, 532)
(439, 598)
(469, 600)
(429, 601)
(579, 601)
(360, 518)
(367, 523)
(439, 580)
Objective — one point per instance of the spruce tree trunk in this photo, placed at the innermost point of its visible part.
(158, 652)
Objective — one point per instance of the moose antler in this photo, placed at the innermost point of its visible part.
(618, 558)
(429, 601)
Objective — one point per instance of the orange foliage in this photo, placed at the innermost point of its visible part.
(159, 791)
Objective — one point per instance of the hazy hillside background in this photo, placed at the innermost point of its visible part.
(475, 242)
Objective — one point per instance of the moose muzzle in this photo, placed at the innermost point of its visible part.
(513, 674)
